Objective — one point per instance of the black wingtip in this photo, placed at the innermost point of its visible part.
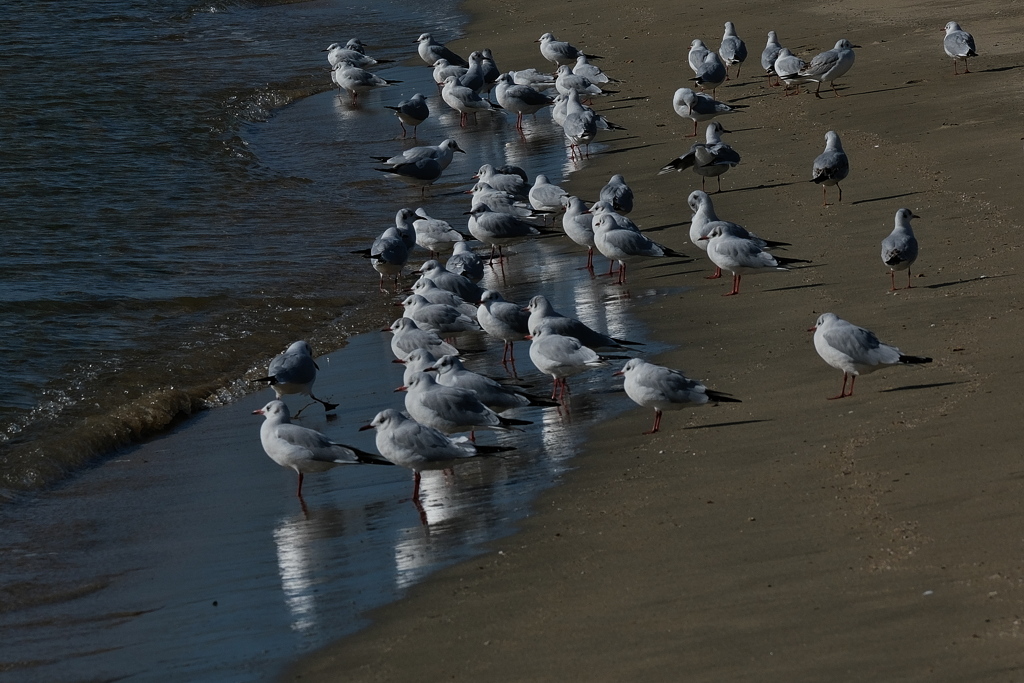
(915, 360)
(719, 397)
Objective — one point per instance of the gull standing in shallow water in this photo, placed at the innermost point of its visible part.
(430, 51)
(661, 388)
(854, 350)
(503, 320)
(355, 80)
(450, 409)
(831, 166)
(622, 244)
(578, 224)
(830, 65)
(407, 443)
(412, 111)
(464, 100)
(519, 99)
(408, 336)
(561, 357)
(958, 44)
(304, 450)
(543, 314)
(899, 249)
(294, 372)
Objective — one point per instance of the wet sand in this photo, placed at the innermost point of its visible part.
(788, 537)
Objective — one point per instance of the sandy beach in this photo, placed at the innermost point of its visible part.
(787, 537)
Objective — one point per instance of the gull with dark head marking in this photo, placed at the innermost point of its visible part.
(661, 388)
(294, 372)
(855, 350)
(958, 44)
(899, 249)
(302, 449)
(831, 166)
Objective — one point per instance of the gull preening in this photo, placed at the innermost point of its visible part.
(699, 107)
(661, 388)
(618, 194)
(787, 69)
(711, 158)
(412, 111)
(958, 44)
(899, 249)
(302, 449)
(294, 372)
(465, 262)
(855, 350)
(831, 166)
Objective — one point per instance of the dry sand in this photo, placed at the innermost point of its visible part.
(786, 538)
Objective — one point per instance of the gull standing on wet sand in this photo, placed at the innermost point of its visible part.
(958, 44)
(622, 244)
(412, 111)
(787, 69)
(854, 350)
(559, 52)
(705, 220)
(699, 107)
(661, 388)
(618, 194)
(450, 409)
(464, 100)
(465, 262)
(407, 443)
(408, 336)
(503, 320)
(543, 314)
(899, 249)
(830, 65)
(430, 51)
(831, 166)
(294, 372)
(740, 256)
(561, 357)
(545, 196)
(304, 450)
(769, 55)
(498, 229)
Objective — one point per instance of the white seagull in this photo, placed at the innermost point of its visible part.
(733, 50)
(958, 44)
(294, 372)
(503, 320)
(561, 357)
(408, 336)
(617, 193)
(830, 65)
(304, 450)
(769, 54)
(450, 409)
(854, 350)
(430, 51)
(740, 256)
(899, 249)
(661, 388)
(699, 107)
(559, 52)
(831, 166)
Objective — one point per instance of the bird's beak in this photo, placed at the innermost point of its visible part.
(812, 329)
(705, 237)
(529, 336)
(618, 373)
(365, 427)
(401, 388)
(258, 411)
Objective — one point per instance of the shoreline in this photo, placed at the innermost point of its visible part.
(800, 538)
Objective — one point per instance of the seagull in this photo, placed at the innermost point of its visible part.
(830, 65)
(450, 409)
(388, 255)
(579, 125)
(854, 350)
(617, 193)
(733, 50)
(418, 360)
(443, 153)
(439, 318)
(662, 388)
(407, 443)
(498, 229)
(787, 69)
(434, 234)
(711, 73)
(543, 314)
(769, 55)
(699, 107)
(465, 262)
(304, 450)
(559, 52)
(740, 256)
(464, 100)
(412, 111)
(512, 183)
(899, 249)
(545, 196)
(532, 78)
(503, 320)
(464, 287)
(426, 288)
(567, 80)
(695, 57)
(705, 220)
(622, 244)
(355, 80)
(830, 166)
(337, 53)
(498, 397)
(591, 72)
(474, 76)
(404, 224)
(561, 357)
(958, 44)
(408, 336)
(499, 201)
(490, 69)
(578, 224)
(430, 51)
(519, 99)
(443, 69)
(294, 372)
(711, 158)
(424, 171)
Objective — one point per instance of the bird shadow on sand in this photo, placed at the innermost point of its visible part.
(635, 98)
(783, 289)
(909, 84)
(882, 199)
(659, 228)
(914, 387)
(624, 149)
(761, 187)
(940, 285)
(999, 69)
(726, 424)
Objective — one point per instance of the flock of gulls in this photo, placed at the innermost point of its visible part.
(442, 397)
